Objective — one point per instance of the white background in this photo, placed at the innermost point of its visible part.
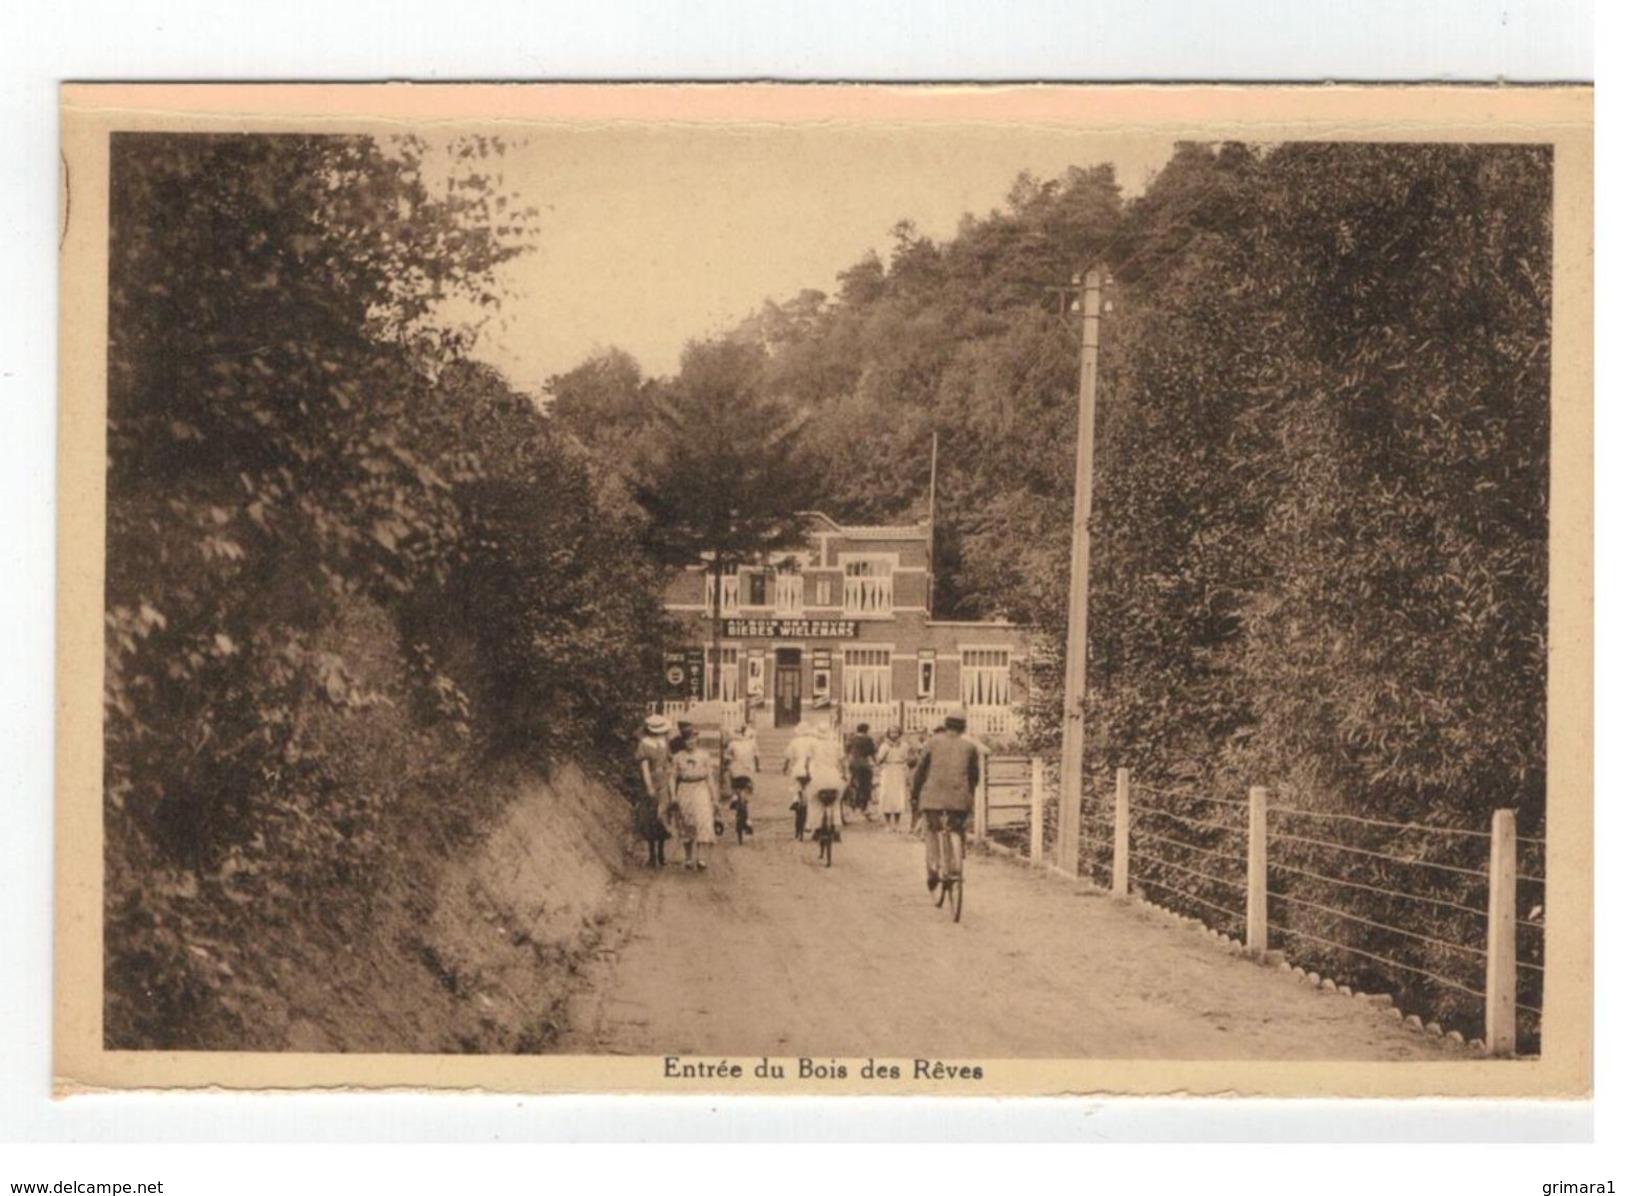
(1301, 40)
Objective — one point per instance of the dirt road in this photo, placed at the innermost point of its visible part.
(769, 953)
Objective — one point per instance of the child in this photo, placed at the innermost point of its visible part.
(743, 761)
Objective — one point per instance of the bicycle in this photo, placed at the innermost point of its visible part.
(828, 831)
(741, 805)
(799, 808)
(951, 879)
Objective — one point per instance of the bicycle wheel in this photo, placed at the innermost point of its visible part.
(829, 845)
(958, 887)
(942, 892)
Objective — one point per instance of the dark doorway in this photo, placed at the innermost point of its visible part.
(786, 687)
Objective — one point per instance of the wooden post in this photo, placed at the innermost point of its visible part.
(1120, 818)
(981, 797)
(1077, 627)
(1258, 918)
(1501, 968)
(1035, 832)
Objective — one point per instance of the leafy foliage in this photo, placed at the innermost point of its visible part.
(333, 547)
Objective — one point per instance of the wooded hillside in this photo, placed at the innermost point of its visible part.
(1320, 527)
(1320, 542)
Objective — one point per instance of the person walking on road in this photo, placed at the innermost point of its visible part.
(891, 762)
(944, 787)
(653, 757)
(798, 767)
(860, 767)
(695, 801)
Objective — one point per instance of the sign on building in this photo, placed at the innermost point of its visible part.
(683, 674)
(790, 628)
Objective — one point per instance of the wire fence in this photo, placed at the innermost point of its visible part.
(1384, 905)
(1188, 852)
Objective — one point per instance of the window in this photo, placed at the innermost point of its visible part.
(755, 674)
(730, 590)
(926, 685)
(758, 587)
(984, 676)
(866, 588)
(865, 676)
(787, 591)
(821, 590)
(729, 691)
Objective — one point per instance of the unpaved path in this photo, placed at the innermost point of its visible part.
(769, 953)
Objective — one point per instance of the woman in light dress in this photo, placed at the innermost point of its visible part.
(827, 777)
(891, 762)
(695, 800)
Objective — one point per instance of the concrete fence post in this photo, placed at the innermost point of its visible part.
(1501, 968)
(1120, 817)
(981, 796)
(1035, 832)
(1258, 919)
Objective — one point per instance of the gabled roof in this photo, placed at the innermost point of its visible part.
(858, 531)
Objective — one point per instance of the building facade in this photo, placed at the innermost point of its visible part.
(842, 625)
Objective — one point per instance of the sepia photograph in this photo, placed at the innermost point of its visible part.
(826, 589)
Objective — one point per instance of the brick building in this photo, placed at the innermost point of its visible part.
(843, 624)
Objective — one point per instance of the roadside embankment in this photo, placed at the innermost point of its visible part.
(472, 951)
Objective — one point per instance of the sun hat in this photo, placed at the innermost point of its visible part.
(657, 724)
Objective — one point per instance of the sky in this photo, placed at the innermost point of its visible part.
(650, 236)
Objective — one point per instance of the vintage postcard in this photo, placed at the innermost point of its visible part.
(826, 589)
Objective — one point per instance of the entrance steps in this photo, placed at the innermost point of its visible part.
(771, 742)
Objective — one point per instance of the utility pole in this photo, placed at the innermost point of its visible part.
(1077, 626)
(931, 532)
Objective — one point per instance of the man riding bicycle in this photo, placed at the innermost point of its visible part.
(944, 789)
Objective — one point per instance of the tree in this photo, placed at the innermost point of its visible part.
(551, 587)
(605, 403)
(721, 485)
(345, 565)
(1321, 534)
(273, 343)
(1409, 391)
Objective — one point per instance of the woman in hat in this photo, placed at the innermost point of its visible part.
(826, 778)
(653, 757)
(891, 762)
(695, 801)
